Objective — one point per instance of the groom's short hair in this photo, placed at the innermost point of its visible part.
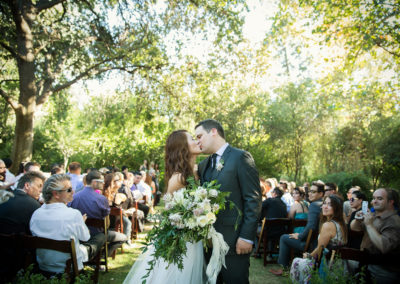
(209, 124)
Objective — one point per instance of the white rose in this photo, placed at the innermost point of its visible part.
(190, 223)
(178, 196)
(201, 221)
(213, 193)
(175, 217)
(207, 207)
(198, 211)
(167, 197)
(211, 218)
(215, 207)
(202, 192)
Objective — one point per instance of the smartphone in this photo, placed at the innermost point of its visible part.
(364, 207)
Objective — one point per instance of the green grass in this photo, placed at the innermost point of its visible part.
(119, 268)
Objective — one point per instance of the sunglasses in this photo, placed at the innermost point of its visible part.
(67, 190)
(312, 191)
(353, 199)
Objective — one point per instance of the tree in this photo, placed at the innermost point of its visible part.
(52, 44)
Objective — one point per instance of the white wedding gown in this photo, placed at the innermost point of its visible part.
(192, 272)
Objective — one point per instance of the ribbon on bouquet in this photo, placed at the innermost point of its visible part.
(217, 260)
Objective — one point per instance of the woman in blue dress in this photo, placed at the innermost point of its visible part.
(299, 210)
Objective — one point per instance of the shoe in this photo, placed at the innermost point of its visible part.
(277, 272)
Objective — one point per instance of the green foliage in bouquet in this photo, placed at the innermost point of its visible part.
(188, 216)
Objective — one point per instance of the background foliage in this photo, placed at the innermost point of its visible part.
(317, 98)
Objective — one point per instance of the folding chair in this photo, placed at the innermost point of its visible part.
(119, 224)
(97, 261)
(268, 225)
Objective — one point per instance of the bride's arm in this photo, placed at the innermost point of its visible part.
(196, 172)
(175, 183)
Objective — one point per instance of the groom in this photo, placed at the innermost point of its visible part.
(235, 171)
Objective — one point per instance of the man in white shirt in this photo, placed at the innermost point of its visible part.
(54, 220)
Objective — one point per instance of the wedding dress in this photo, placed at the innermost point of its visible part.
(192, 272)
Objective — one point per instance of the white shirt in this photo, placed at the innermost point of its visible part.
(145, 189)
(287, 198)
(221, 151)
(58, 222)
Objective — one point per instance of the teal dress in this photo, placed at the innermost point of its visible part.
(303, 215)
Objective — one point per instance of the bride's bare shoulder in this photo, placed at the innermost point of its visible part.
(175, 182)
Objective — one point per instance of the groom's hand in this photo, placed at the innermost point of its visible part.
(243, 247)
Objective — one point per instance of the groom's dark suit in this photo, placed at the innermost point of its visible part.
(240, 177)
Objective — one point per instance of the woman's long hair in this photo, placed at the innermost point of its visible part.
(337, 206)
(108, 191)
(177, 156)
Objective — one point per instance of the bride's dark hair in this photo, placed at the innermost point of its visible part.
(177, 156)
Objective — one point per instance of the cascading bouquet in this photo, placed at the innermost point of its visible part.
(189, 216)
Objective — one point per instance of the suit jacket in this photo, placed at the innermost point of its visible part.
(239, 177)
(314, 211)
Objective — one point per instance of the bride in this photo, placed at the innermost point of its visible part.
(181, 151)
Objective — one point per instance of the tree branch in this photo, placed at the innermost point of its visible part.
(10, 101)
(46, 4)
(9, 49)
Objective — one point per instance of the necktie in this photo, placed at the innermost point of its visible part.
(214, 160)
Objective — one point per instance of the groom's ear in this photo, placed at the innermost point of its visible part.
(214, 131)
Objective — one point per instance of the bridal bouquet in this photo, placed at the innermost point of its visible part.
(189, 216)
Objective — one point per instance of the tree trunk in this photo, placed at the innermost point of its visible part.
(23, 140)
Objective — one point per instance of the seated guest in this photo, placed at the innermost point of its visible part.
(54, 220)
(95, 205)
(274, 208)
(297, 241)
(299, 209)
(286, 197)
(15, 215)
(355, 203)
(7, 179)
(125, 203)
(138, 195)
(27, 167)
(381, 234)
(74, 171)
(346, 204)
(332, 233)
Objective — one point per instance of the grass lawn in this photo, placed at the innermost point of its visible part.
(120, 267)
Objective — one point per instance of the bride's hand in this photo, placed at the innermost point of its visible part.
(196, 172)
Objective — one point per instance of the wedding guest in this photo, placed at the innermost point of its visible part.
(274, 208)
(54, 220)
(299, 209)
(330, 188)
(137, 194)
(287, 197)
(7, 179)
(96, 206)
(297, 241)
(74, 171)
(356, 203)
(381, 234)
(144, 166)
(346, 205)
(28, 167)
(15, 215)
(332, 233)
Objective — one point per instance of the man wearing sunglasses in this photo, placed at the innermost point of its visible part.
(297, 241)
(54, 220)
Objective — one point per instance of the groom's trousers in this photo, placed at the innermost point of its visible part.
(236, 271)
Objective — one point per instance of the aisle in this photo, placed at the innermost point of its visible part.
(120, 267)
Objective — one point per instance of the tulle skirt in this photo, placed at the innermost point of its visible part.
(192, 272)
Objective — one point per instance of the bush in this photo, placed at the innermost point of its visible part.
(346, 180)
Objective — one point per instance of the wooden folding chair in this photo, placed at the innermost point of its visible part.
(31, 242)
(28, 245)
(119, 224)
(135, 223)
(259, 239)
(273, 223)
(100, 259)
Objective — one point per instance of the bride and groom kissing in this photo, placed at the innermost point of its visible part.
(236, 173)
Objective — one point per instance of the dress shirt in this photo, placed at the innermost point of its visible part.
(220, 152)
(288, 199)
(58, 222)
(91, 203)
(76, 182)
